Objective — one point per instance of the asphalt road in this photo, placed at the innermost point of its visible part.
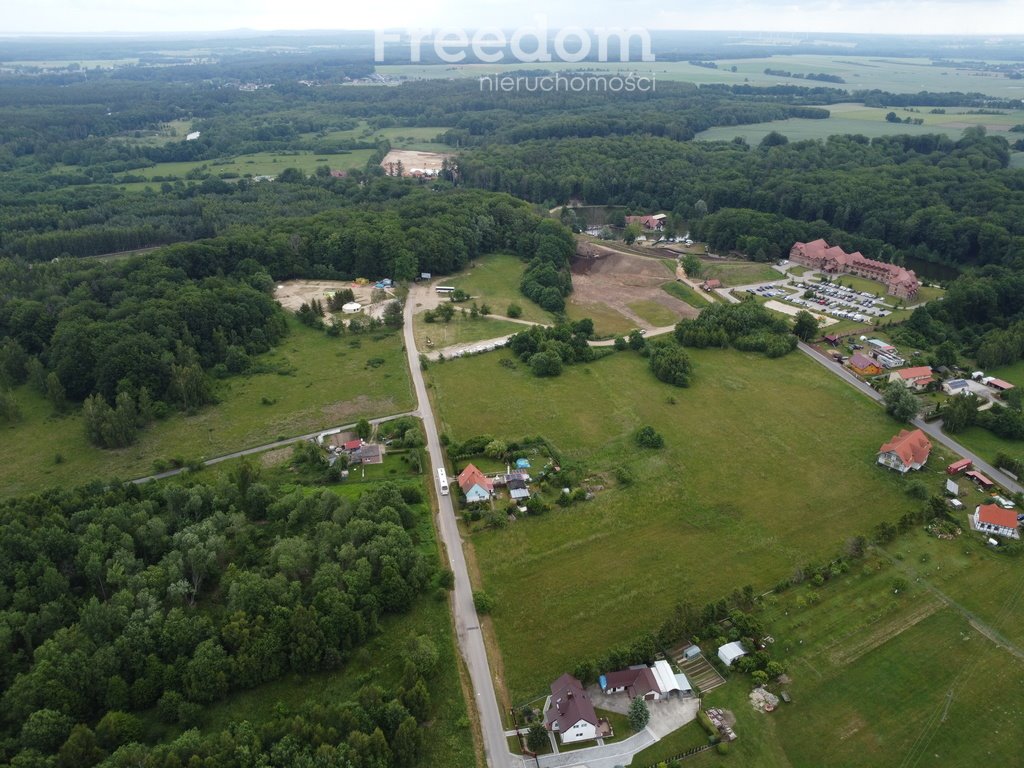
(467, 624)
(932, 429)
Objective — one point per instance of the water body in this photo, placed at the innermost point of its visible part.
(930, 271)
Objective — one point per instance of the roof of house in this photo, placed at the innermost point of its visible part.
(914, 374)
(993, 514)
(714, 282)
(911, 447)
(353, 445)
(638, 681)
(731, 651)
(862, 361)
(569, 704)
(999, 383)
(471, 476)
(956, 384)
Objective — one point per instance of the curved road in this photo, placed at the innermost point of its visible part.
(467, 624)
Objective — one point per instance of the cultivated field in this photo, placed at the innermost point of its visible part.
(767, 464)
(888, 678)
(311, 381)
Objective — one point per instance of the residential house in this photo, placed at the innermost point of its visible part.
(907, 451)
(474, 484)
(655, 222)
(369, 453)
(817, 254)
(913, 378)
(991, 518)
(729, 652)
(712, 284)
(570, 712)
(864, 365)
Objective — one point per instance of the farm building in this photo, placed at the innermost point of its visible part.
(913, 378)
(956, 387)
(474, 484)
(997, 384)
(656, 221)
(692, 652)
(864, 365)
(517, 489)
(832, 339)
(570, 712)
(881, 346)
(991, 518)
(983, 482)
(653, 683)
(906, 451)
(729, 652)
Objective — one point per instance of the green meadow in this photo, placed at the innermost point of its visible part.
(311, 382)
(767, 464)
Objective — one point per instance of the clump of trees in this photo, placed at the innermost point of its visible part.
(747, 326)
(547, 280)
(547, 349)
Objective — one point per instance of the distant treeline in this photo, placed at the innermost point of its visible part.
(823, 77)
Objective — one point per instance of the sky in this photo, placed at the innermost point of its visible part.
(979, 17)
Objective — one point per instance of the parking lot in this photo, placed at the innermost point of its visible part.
(839, 302)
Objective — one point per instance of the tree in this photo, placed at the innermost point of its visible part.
(620, 344)
(10, 411)
(364, 429)
(514, 311)
(546, 364)
(117, 728)
(537, 737)
(632, 231)
(638, 714)
(959, 412)
(45, 730)
(899, 402)
(483, 602)
(692, 266)
(670, 364)
(637, 340)
(774, 139)
(805, 327)
(406, 744)
(495, 449)
(646, 437)
(80, 750)
(393, 314)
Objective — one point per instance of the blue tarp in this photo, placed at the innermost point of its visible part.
(603, 682)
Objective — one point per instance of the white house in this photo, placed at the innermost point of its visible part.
(956, 387)
(991, 518)
(729, 652)
(907, 451)
(570, 713)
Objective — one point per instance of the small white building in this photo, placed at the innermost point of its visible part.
(729, 652)
(193, 136)
(351, 307)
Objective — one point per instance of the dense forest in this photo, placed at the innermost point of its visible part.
(122, 607)
(923, 196)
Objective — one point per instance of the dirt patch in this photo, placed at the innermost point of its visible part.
(603, 276)
(292, 294)
(273, 458)
(413, 163)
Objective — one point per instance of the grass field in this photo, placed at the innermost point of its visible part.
(494, 279)
(751, 482)
(689, 736)
(884, 678)
(460, 330)
(655, 313)
(322, 382)
(739, 272)
(683, 292)
(607, 322)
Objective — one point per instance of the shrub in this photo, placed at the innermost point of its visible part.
(647, 437)
(483, 602)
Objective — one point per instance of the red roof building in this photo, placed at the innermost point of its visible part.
(817, 254)
(864, 365)
(570, 712)
(712, 284)
(913, 378)
(979, 478)
(991, 518)
(471, 476)
(959, 466)
(656, 221)
(907, 451)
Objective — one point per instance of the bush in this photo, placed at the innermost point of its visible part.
(722, 747)
(646, 437)
(483, 602)
(514, 311)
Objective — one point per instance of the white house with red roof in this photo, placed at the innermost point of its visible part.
(993, 519)
(655, 222)
(913, 378)
(570, 712)
(474, 484)
(907, 451)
